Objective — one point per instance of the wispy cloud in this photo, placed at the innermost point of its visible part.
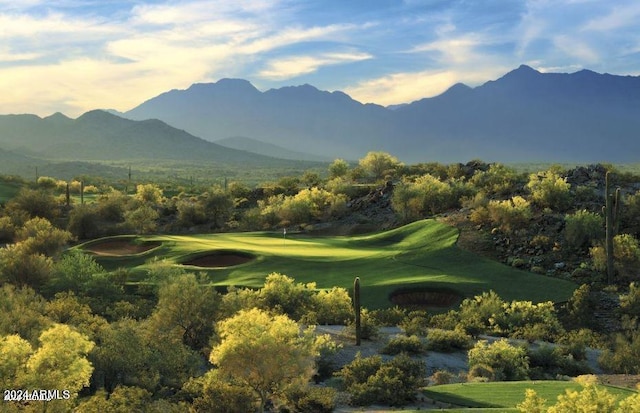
(76, 55)
(289, 67)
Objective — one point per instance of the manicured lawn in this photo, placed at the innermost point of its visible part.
(506, 394)
(421, 254)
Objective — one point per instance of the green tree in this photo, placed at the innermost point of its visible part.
(406, 202)
(14, 353)
(339, 168)
(34, 203)
(264, 352)
(65, 308)
(142, 219)
(188, 306)
(83, 222)
(40, 237)
(218, 206)
(377, 165)
(21, 267)
(23, 312)
(148, 194)
(74, 271)
(59, 363)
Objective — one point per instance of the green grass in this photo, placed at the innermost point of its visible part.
(421, 254)
(8, 190)
(506, 394)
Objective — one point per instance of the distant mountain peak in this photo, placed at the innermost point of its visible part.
(58, 116)
(224, 85)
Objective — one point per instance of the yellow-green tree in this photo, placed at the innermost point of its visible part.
(60, 363)
(266, 353)
(379, 164)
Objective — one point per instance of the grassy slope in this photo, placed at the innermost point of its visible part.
(8, 190)
(420, 254)
(506, 394)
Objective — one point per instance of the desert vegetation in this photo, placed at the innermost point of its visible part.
(214, 298)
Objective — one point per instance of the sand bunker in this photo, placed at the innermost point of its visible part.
(423, 298)
(120, 247)
(218, 259)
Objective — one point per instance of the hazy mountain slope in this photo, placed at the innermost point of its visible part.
(255, 146)
(98, 135)
(527, 115)
(300, 119)
(523, 116)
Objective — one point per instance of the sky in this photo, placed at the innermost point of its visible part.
(72, 56)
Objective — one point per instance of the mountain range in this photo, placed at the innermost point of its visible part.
(524, 116)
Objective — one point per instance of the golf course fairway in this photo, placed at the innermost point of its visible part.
(422, 255)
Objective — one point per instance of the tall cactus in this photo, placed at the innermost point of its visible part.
(356, 307)
(612, 220)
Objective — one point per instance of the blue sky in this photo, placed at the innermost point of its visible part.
(72, 56)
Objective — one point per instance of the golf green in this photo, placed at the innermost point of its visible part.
(422, 255)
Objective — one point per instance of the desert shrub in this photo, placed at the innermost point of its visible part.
(509, 215)
(523, 319)
(311, 399)
(35, 203)
(370, 380)
(579, 308)
(623, 355)
(630, 307)
(404, 344)
(388, 317)
(507, 362)
(40, 237)
(379, 165)
(481, 372)
(83, 222)
(549, 190)
(447, 341)
(575, 343)
(445, 321)
(626, 252)
(332, 306)
(282, 294)
(7, 229)
(190, 213)
(547, 362)
(21, 267)
(498, 180)
(338, 168)
(415, 323)
(368, 327)
(441, 377)
(212, 394)
(475, 313)
(630, 214)
(582, 228)
(237, 299)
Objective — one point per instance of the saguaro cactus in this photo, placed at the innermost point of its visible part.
(612, 220)
(356, 308)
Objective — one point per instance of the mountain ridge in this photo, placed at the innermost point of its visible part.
(523, 116)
